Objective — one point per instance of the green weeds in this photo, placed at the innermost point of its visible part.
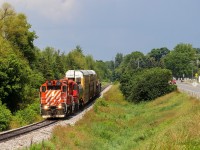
(169, 122)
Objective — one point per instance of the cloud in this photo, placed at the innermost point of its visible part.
(53, 10)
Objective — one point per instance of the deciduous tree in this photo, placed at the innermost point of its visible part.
(181, 60)
(15, 29)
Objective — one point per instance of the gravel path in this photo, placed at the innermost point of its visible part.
(25, 141)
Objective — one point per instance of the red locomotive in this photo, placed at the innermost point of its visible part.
(61, 97)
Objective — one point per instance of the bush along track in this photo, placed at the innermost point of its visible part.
(169, 122)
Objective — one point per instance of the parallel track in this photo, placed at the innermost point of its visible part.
(24, 130)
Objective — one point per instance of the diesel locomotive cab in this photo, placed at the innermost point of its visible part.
(53, 97)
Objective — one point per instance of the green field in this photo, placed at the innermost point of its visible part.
(169, 122)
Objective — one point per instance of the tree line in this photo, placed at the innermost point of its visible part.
(183, 61)
(24, 67)
(145, 77)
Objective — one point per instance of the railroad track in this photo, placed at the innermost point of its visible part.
(104, 87)
(23, 130)
(8, 135)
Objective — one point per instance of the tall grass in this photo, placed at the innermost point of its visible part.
(169, 122)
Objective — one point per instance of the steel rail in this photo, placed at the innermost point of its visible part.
(24, 130)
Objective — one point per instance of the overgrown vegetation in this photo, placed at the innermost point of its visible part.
(169, 122)
(146, 84)
(26, 116)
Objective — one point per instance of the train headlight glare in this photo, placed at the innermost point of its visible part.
(46, 107)
(59, 106)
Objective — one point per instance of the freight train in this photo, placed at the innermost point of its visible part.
(58, 98)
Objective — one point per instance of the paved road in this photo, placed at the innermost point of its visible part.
(191, 88)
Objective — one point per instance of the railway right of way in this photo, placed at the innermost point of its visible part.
(24, 130)
(37, 132)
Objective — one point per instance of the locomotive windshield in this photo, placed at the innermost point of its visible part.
(53, 87)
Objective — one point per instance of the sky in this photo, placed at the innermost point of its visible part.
(103, 28)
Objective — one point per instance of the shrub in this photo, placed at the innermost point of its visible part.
(147, 84)
(5, 117)
(26, 116)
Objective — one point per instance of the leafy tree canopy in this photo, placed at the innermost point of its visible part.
(132, 61)
(15, 28)
(14, 74)
(118, 59)
(181, 60)
(158, 53)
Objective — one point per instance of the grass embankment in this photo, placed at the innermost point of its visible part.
(169, 122)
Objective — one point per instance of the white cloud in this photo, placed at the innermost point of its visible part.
(54, 10)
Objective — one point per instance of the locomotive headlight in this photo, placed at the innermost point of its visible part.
(59, 106)
(46, 107)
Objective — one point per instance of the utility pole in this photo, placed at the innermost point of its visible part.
(138, 62)
(192, 72)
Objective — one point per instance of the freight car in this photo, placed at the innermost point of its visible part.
(59, 98)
